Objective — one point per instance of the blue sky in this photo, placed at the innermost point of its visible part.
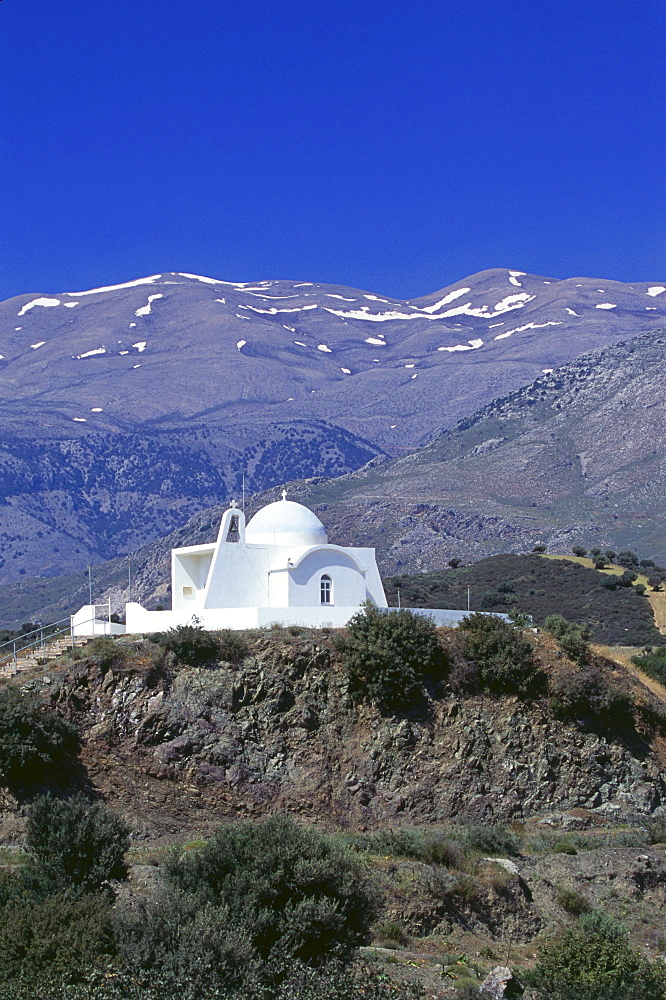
(391, 146)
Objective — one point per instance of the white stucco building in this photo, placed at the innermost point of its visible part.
(280, 568)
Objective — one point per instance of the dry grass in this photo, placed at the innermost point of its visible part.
(622, 656)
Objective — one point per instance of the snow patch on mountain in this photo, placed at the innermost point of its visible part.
(273, 310)
(115, 288)
(606, 305)
(656, 290)
(472, 345)
(145, 310)
(210, 281)
(451, 297)
(529, 326)
(41, 301)
(89, 354)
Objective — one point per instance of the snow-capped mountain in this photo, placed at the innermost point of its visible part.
(127, 408)
(179, 347)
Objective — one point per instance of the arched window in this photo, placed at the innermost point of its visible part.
(325, 589)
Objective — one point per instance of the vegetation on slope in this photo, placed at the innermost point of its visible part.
(277, 909)
(539, 587)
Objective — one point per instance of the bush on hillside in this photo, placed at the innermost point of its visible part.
(653, 663)
(542, 587)
(34, 742)
(60, 939)
(75, 846)
(490, 654)
(572, 638)
(192, 645)
(390, 655)
(593, 960)
(586, 694)
(495, 840)
(334, 982)
(288, 891)
(579, 551)
(185, 944)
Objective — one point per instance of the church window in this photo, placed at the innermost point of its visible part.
(188, 591)
(325, 586)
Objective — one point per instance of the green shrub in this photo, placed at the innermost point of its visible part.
(593, 960)
(572, 637)
(585, 694)
(75, 845)
(578, 550)
(192, 645)
(653, 663)
(390, 934)
(573, 902)
(656, 829)
(442, 851)
(390, 655)
(61, 938)
(290, 890)
(232, 645)
(490, 654)
(105, 651)
(184, 942)
(564, 847)
(333, 982)
(494, 840)
(640, 588)
(35, 743)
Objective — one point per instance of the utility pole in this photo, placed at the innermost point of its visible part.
(243, 493)
(129, 579)
(468, 598)
(398, 598)
(89, 584)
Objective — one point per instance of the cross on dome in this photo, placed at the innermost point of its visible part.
(233, 503)
(284, 494)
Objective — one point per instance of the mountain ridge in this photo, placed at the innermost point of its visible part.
(160, 361)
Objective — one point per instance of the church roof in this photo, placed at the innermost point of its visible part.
(285, 522)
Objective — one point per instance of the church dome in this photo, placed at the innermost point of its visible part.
(285, 523)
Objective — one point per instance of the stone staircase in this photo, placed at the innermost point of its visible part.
(36, 655)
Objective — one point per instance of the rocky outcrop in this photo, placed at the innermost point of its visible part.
(180, 748)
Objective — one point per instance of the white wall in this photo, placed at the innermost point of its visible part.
(85, 623)
(348, 583)
(189, 569)
(238, 577)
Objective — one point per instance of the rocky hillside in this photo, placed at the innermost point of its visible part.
(127, 408)
(177, 748)
(68, 503)
(577, 456)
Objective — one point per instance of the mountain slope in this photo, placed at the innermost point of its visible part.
(126, 409)
(578, 456)
(173, 348)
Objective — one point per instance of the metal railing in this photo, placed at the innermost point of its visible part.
(46, 634)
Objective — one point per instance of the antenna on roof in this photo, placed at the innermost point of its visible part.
(243, 492)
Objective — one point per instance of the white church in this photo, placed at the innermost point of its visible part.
(278, 569)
